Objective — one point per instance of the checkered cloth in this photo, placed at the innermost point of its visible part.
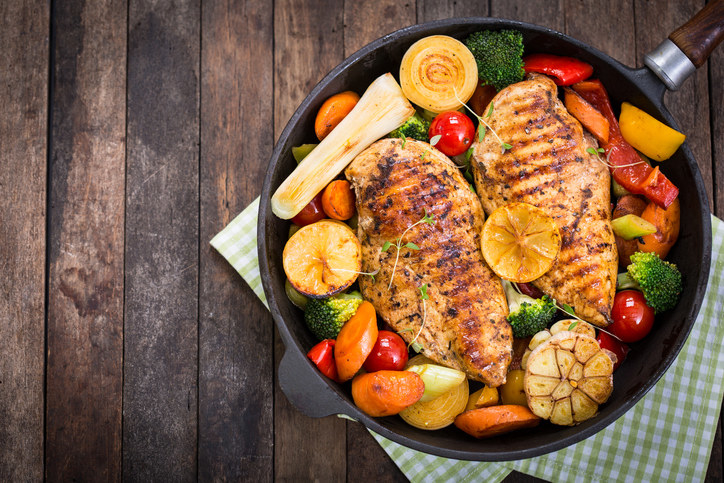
(666, 436)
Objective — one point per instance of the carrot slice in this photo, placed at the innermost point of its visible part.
(494, 420)
(338, 200)
(355, 341)
(594, 121)
(384, 393)
(332, 112)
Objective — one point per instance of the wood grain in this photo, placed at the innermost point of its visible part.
(716, 81)
(160, 367)
(24, 29)
(549, 14)
(86, 233)
(206, 89)
(305, 49)
(429, 10)
(236, 364)
(699, 36)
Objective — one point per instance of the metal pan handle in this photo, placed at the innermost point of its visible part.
(688, 47)
(309, 394)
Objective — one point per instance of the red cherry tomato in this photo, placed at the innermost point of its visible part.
(456, 130)
(388, 354)
(614, 345)
(311, 213)
(322, 355)
(632, 318)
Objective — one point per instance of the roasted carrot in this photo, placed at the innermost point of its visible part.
(333, 111)
(338, 200)
(355, 341)
(666, 221)
(594, 121)
(494, 420)
(627, 205)
(384, 393)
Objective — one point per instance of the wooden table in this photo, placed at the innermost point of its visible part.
(130, 134)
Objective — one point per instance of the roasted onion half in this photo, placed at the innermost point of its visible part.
(439, 412)
(438, 73)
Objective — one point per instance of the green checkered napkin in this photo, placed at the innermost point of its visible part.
(666, 436)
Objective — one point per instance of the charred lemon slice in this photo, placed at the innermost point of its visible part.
(520, 242)
(567, 377)
(322, 259)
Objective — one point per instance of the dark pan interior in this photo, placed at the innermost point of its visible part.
(648, 360)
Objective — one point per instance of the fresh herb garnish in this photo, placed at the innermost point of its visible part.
(423, 296)
(426, 218)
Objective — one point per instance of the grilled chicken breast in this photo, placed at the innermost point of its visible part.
(461, 322)
(548, 166)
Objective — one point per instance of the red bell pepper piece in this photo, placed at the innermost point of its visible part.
(322, 355)
(628, 169)
(564, 70)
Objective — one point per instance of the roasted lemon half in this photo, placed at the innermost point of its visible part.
(520, 242)
(322, 259)
(567, 377)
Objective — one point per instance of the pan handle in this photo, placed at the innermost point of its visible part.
(308, 391)
(688, 47)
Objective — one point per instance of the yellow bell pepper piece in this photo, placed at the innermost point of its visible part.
(648, 135)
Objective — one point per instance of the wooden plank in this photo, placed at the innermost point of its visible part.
(236, 364)
(161, 345)
(690, 104)
(617, 38)
(716, 103)
(429, 10)
(305, 49)
(24, 28)
(549, 14)
(85, 301)
(367, 21)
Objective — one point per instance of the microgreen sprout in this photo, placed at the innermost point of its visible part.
(573, 325)
(404, 140)
(369, 274)
(598, 151)
(423, 296)
(427, 218)
(483, 126)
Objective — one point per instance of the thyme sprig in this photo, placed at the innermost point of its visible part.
(483, 126)
(427, 218)
(598, 151)
(423, 296)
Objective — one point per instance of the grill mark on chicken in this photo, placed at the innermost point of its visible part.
(465, 325)
(548, 167)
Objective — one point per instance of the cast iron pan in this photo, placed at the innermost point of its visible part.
(317, 396)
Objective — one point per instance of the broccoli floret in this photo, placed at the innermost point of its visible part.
(659, 280)
(415, 127)
(499, 55)
(325, 317)
(527, 316)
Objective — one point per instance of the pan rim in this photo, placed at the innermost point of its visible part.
(292, 344)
